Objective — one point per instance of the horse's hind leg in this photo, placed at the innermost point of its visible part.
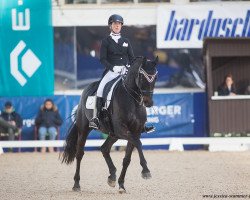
(82, 137)
(105, 149)
(126, 162)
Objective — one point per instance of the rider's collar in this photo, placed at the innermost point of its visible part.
(112, 34)
(115, 36)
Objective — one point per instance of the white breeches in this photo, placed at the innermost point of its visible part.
(108, 77)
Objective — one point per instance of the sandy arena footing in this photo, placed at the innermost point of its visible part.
(175, 175)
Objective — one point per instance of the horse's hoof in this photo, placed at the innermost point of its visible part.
(146, 175)
(76, 189)
(111, 182)
(122, 190)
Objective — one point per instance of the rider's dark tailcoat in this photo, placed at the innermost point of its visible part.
(113, 53)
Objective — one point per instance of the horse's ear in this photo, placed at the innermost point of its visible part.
(156, 60)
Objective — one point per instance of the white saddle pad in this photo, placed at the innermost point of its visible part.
(91, 100)
(90, 103)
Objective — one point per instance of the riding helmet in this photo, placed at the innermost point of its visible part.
(115, 18)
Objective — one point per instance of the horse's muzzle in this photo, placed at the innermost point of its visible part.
(147, 100)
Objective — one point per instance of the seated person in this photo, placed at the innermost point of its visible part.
(47, 120)
(10, 121)
(247, 92)
(227, 88)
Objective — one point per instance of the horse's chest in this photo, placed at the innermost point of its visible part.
(138, 118)
(142, 115)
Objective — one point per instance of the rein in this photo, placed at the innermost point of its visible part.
(134, 94)
(138, 97)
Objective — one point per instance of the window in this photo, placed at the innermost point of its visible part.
(215, 0)
(153, 1)
(80, 1)
(77, 53)
(112, 1)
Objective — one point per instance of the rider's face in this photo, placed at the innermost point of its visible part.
(116, 27)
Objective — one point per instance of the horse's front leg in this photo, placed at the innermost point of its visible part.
(105, 149)
(126, 162)
(145, 171)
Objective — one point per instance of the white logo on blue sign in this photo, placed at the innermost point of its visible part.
(29, 63)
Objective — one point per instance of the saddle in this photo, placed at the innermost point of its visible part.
(107, 94)
(105, 113)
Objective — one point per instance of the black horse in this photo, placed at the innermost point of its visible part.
(128, 117)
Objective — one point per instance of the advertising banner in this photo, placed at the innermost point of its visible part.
(186, 26)
(172, 114)
(26, 48)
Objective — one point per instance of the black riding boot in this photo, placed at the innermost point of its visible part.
(149, 129)
(94, 122)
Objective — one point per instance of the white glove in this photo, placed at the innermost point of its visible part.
(124, 71)
(118, 69)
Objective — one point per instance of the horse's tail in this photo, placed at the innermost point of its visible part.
(69, 152)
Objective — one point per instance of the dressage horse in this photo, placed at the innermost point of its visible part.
(127, 117)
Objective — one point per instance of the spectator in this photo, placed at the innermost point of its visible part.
(227, 88)
(48, 120)
(10, 121)
(247, 92)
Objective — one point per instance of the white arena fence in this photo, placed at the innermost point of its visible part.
(175, 144)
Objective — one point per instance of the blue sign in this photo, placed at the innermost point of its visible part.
(172, 114)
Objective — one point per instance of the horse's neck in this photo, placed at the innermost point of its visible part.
(130, 81)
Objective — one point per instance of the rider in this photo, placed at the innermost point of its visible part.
(116, 52)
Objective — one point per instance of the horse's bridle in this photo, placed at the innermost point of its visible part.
(138, 97)
(150, 79)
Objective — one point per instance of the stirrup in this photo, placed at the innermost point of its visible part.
(94, 123)
(149, 129)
